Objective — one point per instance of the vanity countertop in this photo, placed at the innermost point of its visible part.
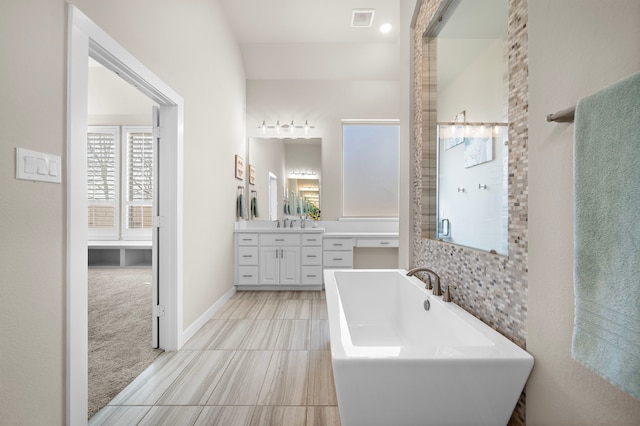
(318, 231)
(295, 230)
(361, 234)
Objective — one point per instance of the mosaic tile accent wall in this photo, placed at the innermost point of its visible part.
(491, 287)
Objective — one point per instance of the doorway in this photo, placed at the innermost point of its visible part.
(122, 285)
(273, 196)
(86, 40)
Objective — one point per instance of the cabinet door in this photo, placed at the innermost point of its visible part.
(269, 265)
(290, 266)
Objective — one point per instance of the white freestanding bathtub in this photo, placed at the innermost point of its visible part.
(395, 363)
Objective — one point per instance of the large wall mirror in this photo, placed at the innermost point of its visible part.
(468, 130)
(285, 177)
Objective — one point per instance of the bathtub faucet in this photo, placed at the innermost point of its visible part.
(437, 290)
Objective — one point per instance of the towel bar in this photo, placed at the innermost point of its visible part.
(564, 116)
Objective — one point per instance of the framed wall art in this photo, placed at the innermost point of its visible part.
(239, 167)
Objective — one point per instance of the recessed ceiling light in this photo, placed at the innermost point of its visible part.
(385, 28)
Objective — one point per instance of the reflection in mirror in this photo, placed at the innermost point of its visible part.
(293, 167)
(472, 186)
(468, 58)
(303, 196)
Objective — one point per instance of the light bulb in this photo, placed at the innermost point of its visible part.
(291, 127)
(278, 127)
(264, 127)
(306, 127)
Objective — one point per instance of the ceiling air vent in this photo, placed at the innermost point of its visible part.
(362, 18)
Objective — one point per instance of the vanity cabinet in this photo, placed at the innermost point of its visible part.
(247, 259)
(312, 259)
(279, 259)
(279, 265)
(338, 250)
(338, 253)
(274, 260)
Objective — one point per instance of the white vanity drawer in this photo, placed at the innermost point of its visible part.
(377, 242)
(312, 275)
(247, 239)
(337, 259)
(247, 255)
(337, 243)
(312, 255)
(247, 275)
(279, 239)
(311, 240)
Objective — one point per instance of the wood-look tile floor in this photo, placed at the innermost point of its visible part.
(263, 360)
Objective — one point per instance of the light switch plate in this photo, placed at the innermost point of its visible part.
(33, 165)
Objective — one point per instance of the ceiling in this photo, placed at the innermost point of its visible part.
(314, 40)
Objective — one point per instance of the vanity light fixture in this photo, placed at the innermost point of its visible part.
(385, 28)
(309, 173)
(286, 130)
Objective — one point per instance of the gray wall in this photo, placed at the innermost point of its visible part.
(576, 47)
(33, 45)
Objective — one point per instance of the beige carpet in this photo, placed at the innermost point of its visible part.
(119, 331)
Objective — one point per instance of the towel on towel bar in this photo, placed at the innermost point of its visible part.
(254, 206)
(240, 208)
(606, 334)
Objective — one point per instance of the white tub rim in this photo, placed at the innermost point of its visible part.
(341, 349)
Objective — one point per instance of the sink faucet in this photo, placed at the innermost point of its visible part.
(278, 223)
(286, 219)
(437, 290)
(291, 223)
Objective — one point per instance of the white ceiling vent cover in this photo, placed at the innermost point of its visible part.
(362, 18)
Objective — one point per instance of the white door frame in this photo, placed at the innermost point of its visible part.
(86, 39)
(273, 196)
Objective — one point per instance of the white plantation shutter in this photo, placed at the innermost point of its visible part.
(138, 182)
(102, 181)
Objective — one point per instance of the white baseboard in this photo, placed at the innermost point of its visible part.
(206, 316)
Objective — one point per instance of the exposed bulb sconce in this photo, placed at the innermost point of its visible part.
(286, 130)
(303, 173)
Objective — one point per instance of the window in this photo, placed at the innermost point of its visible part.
(103, 181)
(120, 182)
(371, 169)
(138, 182)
